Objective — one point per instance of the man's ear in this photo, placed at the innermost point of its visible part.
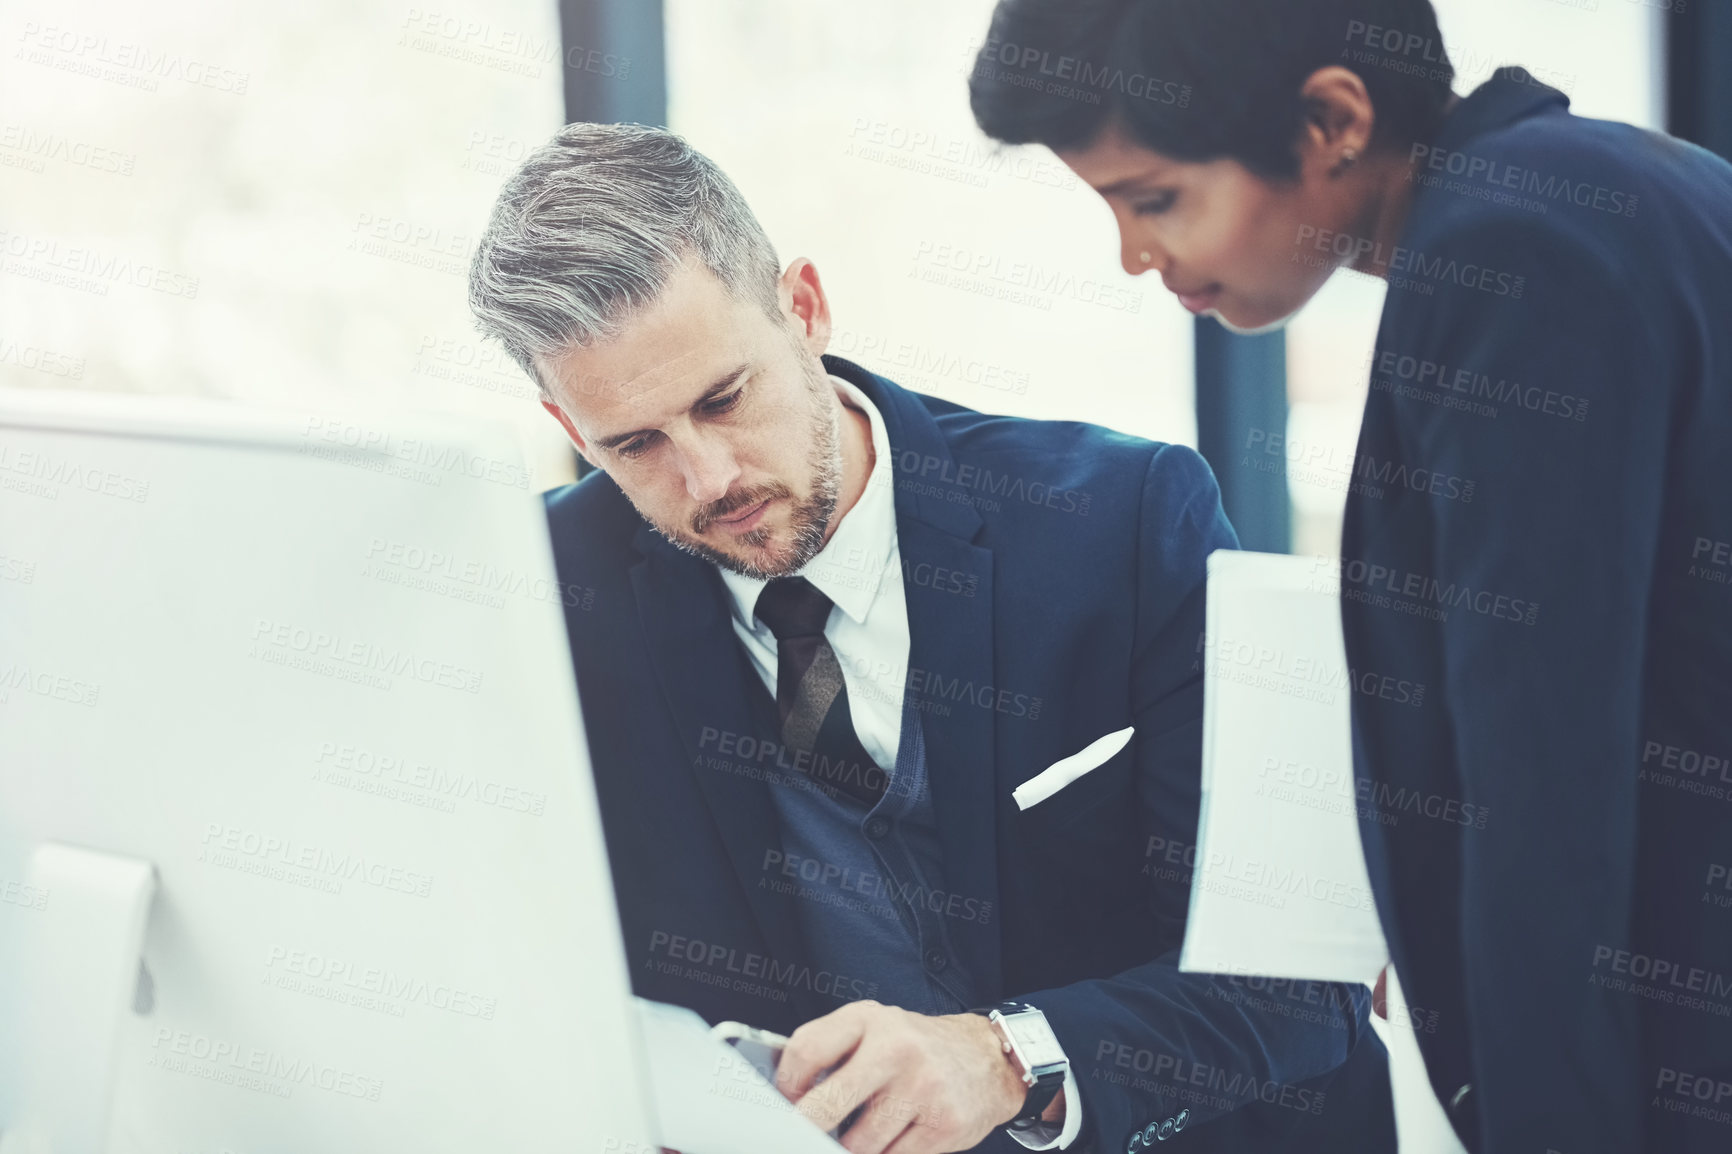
(558, 414)
(804, 302)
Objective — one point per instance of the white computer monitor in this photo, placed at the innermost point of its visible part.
(288, 698)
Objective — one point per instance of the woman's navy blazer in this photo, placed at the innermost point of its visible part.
(1540, 531)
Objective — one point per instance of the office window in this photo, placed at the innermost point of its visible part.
(274, 203)
(986, 276)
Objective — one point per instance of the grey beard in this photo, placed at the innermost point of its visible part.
(810, 518)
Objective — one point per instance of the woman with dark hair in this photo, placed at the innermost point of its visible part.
(1540, 528)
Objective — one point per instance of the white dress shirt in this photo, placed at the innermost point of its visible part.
(860, 569)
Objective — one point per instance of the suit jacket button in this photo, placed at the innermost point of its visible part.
(936, 961)
(1167, 1129)
(1179, 1122)
(876, 828)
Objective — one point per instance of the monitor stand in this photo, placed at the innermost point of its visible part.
(80, 970)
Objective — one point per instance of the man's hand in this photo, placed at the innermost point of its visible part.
(930, 1084)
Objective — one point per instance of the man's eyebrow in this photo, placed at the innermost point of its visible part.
(720, 385)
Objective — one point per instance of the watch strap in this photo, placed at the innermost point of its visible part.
(1040, 1096)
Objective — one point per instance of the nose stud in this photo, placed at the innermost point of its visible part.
(1145, 257)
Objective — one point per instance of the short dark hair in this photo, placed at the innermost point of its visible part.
(1201, 80)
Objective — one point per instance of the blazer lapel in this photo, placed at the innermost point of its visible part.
(697, 659)
(950, 663)
(949, 674)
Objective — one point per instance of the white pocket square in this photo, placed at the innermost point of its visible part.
(1066, 770)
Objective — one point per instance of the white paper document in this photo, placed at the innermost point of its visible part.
(709, 1099)
(1279, 887)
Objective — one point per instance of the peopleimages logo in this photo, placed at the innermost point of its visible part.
(1501, 176)
(228, 845)
(1466, 389)
(171, 1048)
(1305, 784)
(1400, 260)
(21, 678)
(1690, 770)
(308, 971)
(916, 363)
(1337, 467)
(1386, 587)
(1271, 884)
(44, 475)
(1231, 1085)
(933, 686)
(42, 360)
(1017, 281)
(23, 894)
(1009, 486)
(444, 570)
(712, 963)
(1711, 561)
(1297, 675)
(1719, 878)
(1413, 54)
(821, 768)
(507, 50)
(964, 161)
(87, 269)
(1695, 1095)
(1071, 77)
(38, 147)
(380, 449)
(369, 771)
(1662, 980)
(279, 641)
(873, 885)
(125, 62)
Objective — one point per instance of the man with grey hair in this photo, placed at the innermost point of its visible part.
(835, 625)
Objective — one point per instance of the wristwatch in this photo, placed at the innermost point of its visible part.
(1031, 1047)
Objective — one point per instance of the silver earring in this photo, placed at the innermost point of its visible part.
(1349, 157)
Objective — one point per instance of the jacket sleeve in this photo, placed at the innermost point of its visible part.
(1555, 407)
(1152, 1043)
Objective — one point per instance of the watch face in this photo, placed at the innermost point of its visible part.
(1034, 1038)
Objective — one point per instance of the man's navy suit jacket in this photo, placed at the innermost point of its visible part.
(1054, 579)
(1540, 532)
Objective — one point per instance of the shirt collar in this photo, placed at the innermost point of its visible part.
(849, 568)
(1510, 95)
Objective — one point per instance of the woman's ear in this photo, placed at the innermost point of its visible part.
(1340, 120)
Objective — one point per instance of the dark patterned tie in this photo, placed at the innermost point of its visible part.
(811, 696)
